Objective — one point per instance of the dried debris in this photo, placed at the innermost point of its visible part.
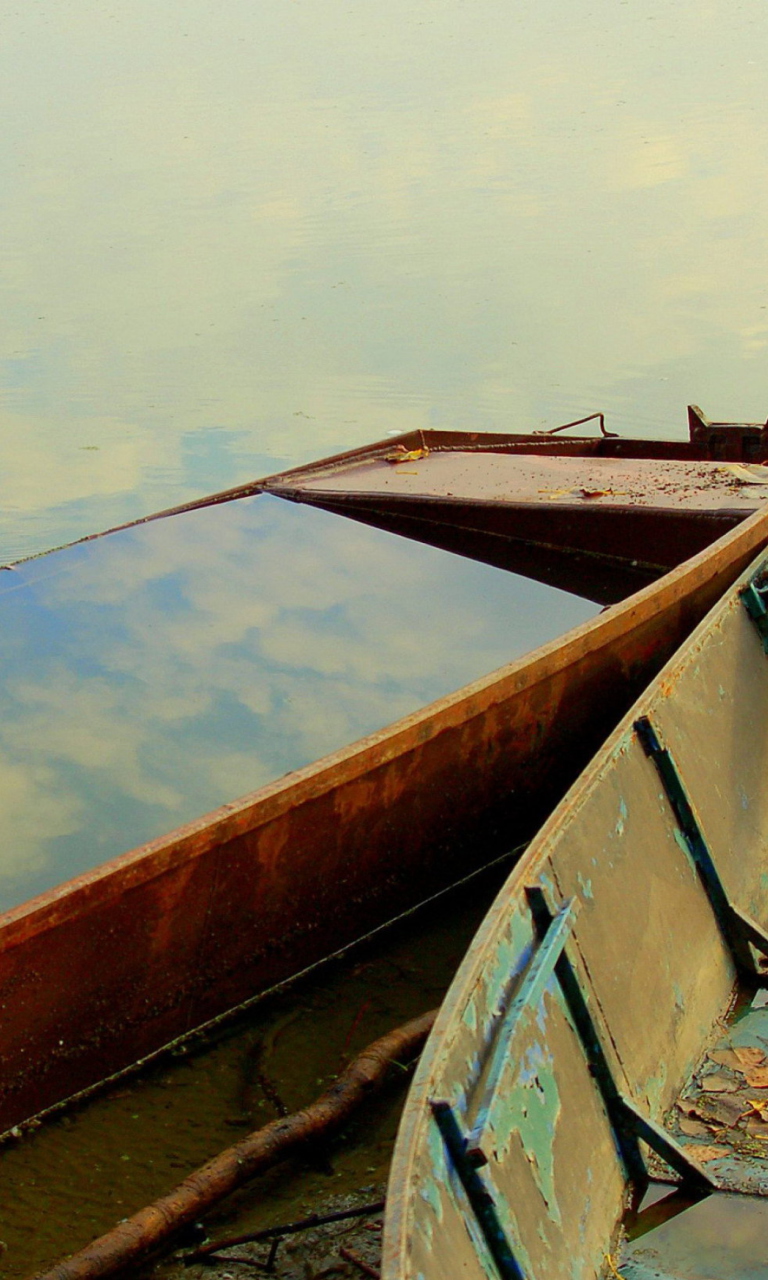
(348, 1248)
(726, 1102)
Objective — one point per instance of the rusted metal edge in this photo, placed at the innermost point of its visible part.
(247, 490)
(444, 441)
(201, 1035)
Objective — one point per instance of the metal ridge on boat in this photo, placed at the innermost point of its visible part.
(588, 1041)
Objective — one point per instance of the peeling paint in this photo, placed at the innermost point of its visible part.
(585, 886)
(621, 821)
(533, 1115)
(680, 840)
(469, 1016)
(480, 1248)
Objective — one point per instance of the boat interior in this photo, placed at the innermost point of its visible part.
(600, 1065)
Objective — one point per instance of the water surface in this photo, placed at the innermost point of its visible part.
(153, 674)
(239, 235)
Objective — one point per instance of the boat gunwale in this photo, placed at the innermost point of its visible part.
(464, 441)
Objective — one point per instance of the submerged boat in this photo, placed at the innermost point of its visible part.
(112, 966)
(604, 1028)
(598, 515)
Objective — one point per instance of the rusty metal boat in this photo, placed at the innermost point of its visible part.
(598, 515)
(110, 967)
(609, 1024)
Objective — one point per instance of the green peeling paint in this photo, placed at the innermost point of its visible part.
(530, 1107)
(585, 886)
(621, 821)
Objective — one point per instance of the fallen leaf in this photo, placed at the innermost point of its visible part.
(750, 1057)
(726, 1058)
(697, 1151)
(726, 1108)
(693, 1128)
(741, 474)
(756, 1077)
(612, 1267)
(690, 1109)
(756, 1127)
(718, 1082)
(401, 454)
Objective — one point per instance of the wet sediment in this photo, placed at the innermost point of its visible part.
(78, 1175)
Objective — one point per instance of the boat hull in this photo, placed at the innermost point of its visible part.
(577, 1027)
(596, 516)
(113, 966)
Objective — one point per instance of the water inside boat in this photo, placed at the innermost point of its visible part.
(155, 673)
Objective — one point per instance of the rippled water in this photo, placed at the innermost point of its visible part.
(238, 235)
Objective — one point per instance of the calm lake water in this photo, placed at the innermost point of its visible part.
(244, 235)
(237, 238)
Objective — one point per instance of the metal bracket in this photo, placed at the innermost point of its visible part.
(738, 929)
(657, 1138)
(754, 597)
(478, 1194)
(628, 1123)
(552, 431)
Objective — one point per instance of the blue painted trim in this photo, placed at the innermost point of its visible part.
(576, 1000)
(531, 990)
(628, 1123)
(478, 1194)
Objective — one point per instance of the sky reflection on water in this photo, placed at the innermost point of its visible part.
(155, 673)
(236, 236)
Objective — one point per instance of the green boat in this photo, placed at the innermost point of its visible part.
(605, 1041)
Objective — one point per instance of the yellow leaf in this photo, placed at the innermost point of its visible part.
(401, 454)
(756, 1077)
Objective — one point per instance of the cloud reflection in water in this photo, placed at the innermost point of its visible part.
(156, 673)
